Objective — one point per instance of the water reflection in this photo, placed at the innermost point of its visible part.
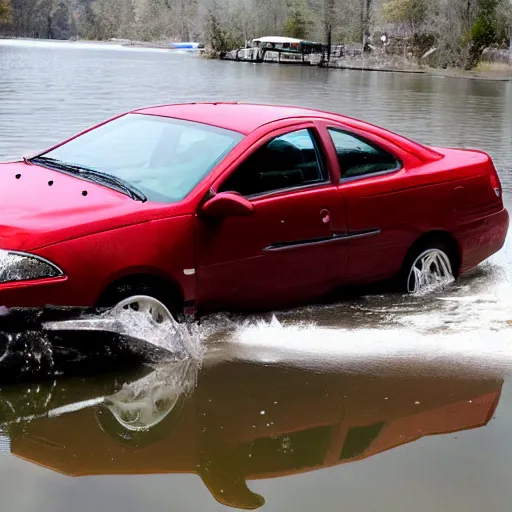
(242, 422)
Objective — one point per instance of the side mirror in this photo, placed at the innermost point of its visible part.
(227, 204)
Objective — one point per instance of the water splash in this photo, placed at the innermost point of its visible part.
(377, 350)
(144, 324)
(56, 341)
(26, 353)
(179, 340)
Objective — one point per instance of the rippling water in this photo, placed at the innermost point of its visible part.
(358, 387)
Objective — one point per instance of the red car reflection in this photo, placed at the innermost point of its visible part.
(235, 206)
(312, 421)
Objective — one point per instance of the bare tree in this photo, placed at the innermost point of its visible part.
(504, 14)
(410, 12)
(366, 9)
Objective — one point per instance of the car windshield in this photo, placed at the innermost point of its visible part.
(164, 158)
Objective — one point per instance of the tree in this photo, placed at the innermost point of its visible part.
(185, 20)
(298, 23)
(484, 31)
(504, 16)
(5, 11)
(366, 8)
(60, 21)
(411, 12)
(221, 33)
(328, 24)
(270, 17)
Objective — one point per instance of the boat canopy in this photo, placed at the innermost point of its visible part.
(277, 40)
(291, 43)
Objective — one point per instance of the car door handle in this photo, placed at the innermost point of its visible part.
(325, 215)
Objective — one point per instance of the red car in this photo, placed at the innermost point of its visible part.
(226, 206)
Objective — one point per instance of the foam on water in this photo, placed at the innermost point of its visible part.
(311, 346)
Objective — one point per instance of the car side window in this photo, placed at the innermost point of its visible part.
(358, 157)
(288, 161)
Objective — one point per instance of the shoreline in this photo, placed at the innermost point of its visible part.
(435, 72)
(493, 73)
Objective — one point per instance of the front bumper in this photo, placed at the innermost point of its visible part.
(38, 293)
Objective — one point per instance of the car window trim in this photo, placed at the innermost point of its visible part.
(320, 155)
(370, 175)
(319, 151)
(371, 143)
(285, 191)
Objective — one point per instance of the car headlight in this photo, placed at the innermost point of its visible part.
(19, 266)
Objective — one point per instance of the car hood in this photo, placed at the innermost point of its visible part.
(40, 207)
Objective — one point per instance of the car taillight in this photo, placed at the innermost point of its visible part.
(495, 183)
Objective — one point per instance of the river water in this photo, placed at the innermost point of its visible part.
(376, 403)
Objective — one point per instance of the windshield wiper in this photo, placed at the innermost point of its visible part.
(92, 174)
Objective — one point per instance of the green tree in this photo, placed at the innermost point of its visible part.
(412, 12)
(484, 31)
(298, 23)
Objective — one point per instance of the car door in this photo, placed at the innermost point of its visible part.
(381, 208)
(291, 249)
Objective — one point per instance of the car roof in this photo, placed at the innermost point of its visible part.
(247, 117)
(239, 117)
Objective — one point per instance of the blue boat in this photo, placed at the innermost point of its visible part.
(186, 46)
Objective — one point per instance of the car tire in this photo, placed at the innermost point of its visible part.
(427, 267)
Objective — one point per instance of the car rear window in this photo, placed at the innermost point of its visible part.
(359, 158)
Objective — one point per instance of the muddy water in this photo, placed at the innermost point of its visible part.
(378, 403)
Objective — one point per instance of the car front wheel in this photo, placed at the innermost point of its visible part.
(138, 295)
